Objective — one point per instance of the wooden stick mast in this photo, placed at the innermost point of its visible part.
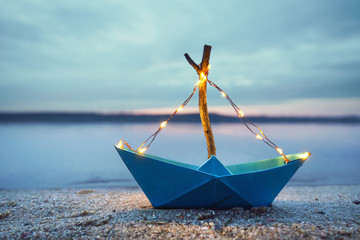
(203, 70)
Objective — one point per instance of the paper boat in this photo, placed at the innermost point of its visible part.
(171, 184)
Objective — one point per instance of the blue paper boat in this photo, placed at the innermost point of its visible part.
(171, 184)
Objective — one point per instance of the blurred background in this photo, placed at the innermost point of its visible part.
(276, 59)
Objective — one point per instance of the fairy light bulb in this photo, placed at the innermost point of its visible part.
(259, 137)
(163, 124)
(241, 114)
(202, 76)
(197, 83)
(142, 150)
(120, 144)
(180, 108)
(279, 150)
(304, 155)
(208, 67)
(223, 94)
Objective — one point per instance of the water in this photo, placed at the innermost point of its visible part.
(83, 155)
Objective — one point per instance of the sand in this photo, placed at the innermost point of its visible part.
(299, 212)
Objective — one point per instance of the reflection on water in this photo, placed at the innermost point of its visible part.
(80, 155)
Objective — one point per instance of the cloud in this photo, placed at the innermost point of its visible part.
(122, 55)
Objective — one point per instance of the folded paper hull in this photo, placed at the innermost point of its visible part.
(171, 184)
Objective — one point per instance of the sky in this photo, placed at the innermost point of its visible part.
(297, 57)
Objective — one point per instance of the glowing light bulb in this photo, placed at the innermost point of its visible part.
(304, 155)
(241, 113)
(223, 94)
(180, 108)
(259, 137)
(163, 124)
(120, 144)
(142, 150)
(197, 83)
(202, 76)
(279, 150)
(209, 67)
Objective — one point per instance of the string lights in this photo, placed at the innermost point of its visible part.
(150, 139)
(249, 125)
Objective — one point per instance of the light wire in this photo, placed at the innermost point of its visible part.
(248, 124)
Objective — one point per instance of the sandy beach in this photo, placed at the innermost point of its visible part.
(299, 212)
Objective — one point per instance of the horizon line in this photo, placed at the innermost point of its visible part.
(147, 113)
(126, 117)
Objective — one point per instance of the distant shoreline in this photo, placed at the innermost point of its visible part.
(63, 117)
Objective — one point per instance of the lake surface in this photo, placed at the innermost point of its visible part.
(83, 155)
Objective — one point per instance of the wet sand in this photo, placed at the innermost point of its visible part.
(301, 212)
